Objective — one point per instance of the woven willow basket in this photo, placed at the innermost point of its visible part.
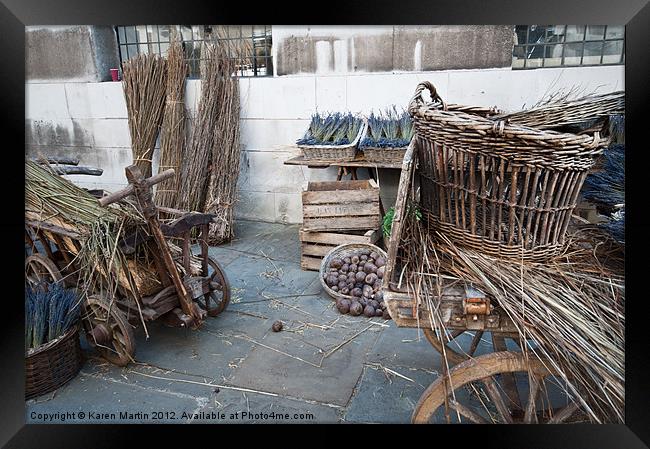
(342, 251)
(50, 366)
(345, 152)
(504, 189)
(388, 155)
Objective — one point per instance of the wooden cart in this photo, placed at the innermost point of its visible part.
(182, 301)
(494, 379)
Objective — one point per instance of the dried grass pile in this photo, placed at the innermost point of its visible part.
(172, 133)
(144, 79)
(569, 310)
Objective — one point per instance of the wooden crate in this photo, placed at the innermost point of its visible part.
(315, 245)
(341, 206)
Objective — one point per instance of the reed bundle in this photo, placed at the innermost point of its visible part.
(144, 79)
(569, 310)
(172, 133)
(226, 150)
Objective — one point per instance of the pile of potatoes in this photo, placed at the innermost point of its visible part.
(359, 275)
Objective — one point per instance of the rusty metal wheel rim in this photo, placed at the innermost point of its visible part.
(40, 270)
(120, 349)
(217, 299)
(483, 369)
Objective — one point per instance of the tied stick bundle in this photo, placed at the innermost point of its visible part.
(172, 133)
(226, 147)
(194, 167)
(571, 307)
(144, 79)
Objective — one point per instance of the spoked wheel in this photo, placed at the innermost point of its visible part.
(108, 331)
(40, 271)
(216, 300)
(474, 393)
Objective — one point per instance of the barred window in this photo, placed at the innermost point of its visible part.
(136, 39)
(568, 45)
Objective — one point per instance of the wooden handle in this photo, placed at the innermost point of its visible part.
(121, 194)
(116, 196)
(160, 177)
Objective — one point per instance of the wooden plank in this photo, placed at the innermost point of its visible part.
(339, 210)
(359, 161)
(341, 223)
(334, 238)
(310, 263)
(316, 250)
(341, 197)
(318, 186)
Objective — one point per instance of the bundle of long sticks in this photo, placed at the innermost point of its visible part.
(172, 134)
(194, 168)
(224, 168)
(144, 80)
(571, 307)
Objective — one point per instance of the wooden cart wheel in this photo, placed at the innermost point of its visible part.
(218, 298)
(40, 270)
(108, 331)
(484, 372)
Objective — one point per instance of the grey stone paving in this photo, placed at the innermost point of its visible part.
(323, 367)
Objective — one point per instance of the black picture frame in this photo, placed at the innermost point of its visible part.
(16, 14)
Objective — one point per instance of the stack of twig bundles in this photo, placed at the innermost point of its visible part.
(144, 81)
(226, 148)
(172, 134)
(571, 307)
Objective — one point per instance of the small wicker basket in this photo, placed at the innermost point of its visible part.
(386, 155)
(344, 251)
(505, 189)
(345, 152)
(53, 364)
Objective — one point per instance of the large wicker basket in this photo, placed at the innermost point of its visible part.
(504, 189)
(345, 152)
(344, 251)
(50, 366)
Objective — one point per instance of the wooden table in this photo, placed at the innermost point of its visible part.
(343, 166)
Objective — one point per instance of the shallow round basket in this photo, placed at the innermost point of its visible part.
(344, 251)
(51, 365)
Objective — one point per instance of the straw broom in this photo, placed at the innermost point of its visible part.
(172, 133)
(226, 148)
(144, 81)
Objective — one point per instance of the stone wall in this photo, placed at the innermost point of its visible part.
(70, 53)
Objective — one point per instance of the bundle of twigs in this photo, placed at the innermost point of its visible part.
(226, 150)
(569, 310)
(563, 112)
(144, 79)
(194, 167)
(172, 133)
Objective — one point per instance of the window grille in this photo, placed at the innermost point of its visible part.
(568, 45)
(134, 39)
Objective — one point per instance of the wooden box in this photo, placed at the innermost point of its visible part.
(315, 245)
(341, 206)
